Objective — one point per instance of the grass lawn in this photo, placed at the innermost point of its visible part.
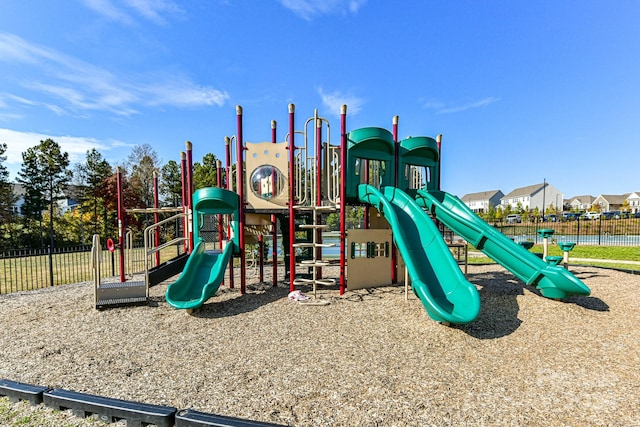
(621, 253)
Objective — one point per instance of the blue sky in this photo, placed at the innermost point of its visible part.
(522, 91)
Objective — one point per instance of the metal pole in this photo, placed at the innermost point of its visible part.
(396, 160)
(185, 221)
(292, 221)
(240, 186)
(156, 215)
(439, 142)
(227, 143)
(120, 222)
(343, 195)
(274, 221)
(318, 200)
(219, 184)
(544, 188)
(190, 193)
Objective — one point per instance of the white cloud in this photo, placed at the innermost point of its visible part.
(444, 108)
(76, 86)
(77, 147)
(334, 100)
(308, 9)
(155, 11)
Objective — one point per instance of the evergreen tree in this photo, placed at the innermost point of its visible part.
(45, 176)
(7, 200)
(92, 176)
(205, 174)
(171, 183)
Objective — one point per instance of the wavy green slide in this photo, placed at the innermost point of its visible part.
(200, 279)
(436, 277)
(553, 281)
(204, 271)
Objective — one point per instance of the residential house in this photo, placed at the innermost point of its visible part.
(540, 196)
(480, 202)
(68, 202)
(18, 191)
(610, 202)
(581, 203)
(633, 201)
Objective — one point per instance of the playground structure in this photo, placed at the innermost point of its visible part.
(298, 183)
(135, 292)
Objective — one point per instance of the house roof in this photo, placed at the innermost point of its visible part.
(583, 199)
(616, 199)
(18, 189)
(483, 195)
(526, 191)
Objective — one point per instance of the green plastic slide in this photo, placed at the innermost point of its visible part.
(200, 279)
(435, 275)
(553, 281)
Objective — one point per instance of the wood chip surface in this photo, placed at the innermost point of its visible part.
(369, 358)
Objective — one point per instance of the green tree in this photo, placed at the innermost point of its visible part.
(45, 176)
(171, 183)
(7, 200)
(45, 169)
(142, 163)
(91, 177)
(205, 174)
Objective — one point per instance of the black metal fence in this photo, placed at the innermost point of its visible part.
(604, 232)
(27, 269)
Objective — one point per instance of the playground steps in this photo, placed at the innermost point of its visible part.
(121, 293)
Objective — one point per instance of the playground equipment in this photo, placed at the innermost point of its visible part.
(115, 293)
(566, 247)
(127, 292)
(204, 270)
(397, 182)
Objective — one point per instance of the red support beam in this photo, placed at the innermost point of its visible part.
(343, 196)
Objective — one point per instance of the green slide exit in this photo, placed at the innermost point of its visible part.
(435, 275)
(553, 281)
(200, 279)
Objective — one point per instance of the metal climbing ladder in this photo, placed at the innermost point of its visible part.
(314, 263)
(308, 194)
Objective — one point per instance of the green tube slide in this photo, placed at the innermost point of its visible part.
(553, 281)
(435, 276)
(200, 279)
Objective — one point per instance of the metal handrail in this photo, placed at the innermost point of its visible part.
(149, 246)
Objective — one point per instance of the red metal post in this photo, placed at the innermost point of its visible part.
(292, 220)
(156, 214)
(260, 258)
(439, 142)
(343, 196)
(120, 222)
(274, 220)
(240, 186)
(227, 144)
(184, 202)
(396, 157)
(190, 193)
